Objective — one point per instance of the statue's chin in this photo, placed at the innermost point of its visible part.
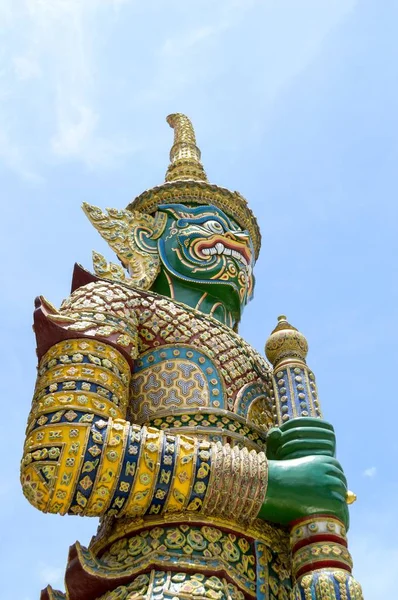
(226, 294)
(223, 291)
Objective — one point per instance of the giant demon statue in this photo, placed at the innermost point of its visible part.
(212, 471)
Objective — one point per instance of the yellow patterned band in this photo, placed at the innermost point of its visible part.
(82, 456)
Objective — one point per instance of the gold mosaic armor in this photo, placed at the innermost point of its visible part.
(148, 414)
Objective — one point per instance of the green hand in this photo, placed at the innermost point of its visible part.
(304, 478)
(304, 436)
(301, 487)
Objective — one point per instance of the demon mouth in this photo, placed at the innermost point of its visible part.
(228, 247)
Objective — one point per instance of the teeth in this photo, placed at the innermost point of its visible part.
(219, 248)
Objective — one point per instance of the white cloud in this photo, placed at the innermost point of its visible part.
(118, 3)
(375, 564)
(26, 68)
(77, 137)
(370, 472)
(176, 46)
(56, 43)
(74, 131)
(373, 544)
(64, 30)
(195, 55)
(50, 575)
(56, 50)
(14, 158)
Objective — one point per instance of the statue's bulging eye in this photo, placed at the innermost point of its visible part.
(213, 226)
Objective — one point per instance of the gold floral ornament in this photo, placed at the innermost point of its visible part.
(132, 235)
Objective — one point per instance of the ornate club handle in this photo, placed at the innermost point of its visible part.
(322, 563)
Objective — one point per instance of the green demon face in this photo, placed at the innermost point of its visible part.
(203, 246)
(197, 255)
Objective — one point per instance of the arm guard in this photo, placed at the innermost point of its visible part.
(82, 457)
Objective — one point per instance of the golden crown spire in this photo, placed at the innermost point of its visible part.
(184, 155)
(187, 183)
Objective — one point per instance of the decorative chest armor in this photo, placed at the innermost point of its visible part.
(219, 395)
(198, 376)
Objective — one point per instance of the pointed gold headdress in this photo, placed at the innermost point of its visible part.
(187, 183)
(184, 154)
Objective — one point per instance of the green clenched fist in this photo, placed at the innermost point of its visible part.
(304, 477)
(300, 437)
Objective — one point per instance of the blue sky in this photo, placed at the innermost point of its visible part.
(295, 105)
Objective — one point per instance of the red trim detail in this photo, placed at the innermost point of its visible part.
(82, 585)
(320, 537)
(49, 333)
(323, 564)
(81, 277)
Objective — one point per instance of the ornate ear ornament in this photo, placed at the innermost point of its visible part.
(132, 236)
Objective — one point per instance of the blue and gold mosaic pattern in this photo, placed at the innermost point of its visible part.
(186, 377)
(296, 393)
(165, 474)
